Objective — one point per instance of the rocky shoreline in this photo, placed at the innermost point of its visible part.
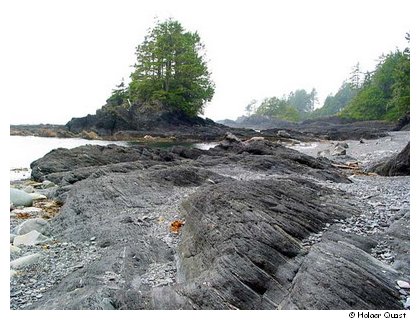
(246, 225)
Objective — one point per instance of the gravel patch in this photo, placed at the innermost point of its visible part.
(57, 261)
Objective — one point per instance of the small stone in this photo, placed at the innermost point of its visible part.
(47, 184)
(323, 153)
(342, 145)
(407, 303)
(403, 292)
(339, 151)
(30, 239)
(38, 296)
(28, 189)
(93, 239)
(14, 249)
(403, 284)
(25, 261)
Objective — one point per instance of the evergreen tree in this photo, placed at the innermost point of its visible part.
(171, 68)
(277, 108)
(335, 103)
(356, 77)
(387, 95)
(251, 107)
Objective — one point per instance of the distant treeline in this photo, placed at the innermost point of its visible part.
(381, 94)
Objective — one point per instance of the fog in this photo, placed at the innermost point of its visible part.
(63, 58)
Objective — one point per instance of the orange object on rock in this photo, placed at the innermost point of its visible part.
(176, 226)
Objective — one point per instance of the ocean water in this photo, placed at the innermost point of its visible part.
(24, 150)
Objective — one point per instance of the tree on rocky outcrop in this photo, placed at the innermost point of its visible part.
(171, 69)
(118, 96)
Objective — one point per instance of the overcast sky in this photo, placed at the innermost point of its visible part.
(61, 59)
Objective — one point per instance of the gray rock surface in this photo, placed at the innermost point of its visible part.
(20, 198)
(38, 224)
(397, 165)
(30, 239)
(25, 261)
(262, 226)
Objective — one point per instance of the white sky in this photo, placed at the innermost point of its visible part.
(61, 59)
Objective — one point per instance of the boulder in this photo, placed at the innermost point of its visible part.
(342, 144)
(398, 165)
(324, 153)
(20, 198)
(339, 151)
(25, 261)
(63, 160)
(14, 249)
(38, 224)
(231, 138)
(47, 184)
(29, 189)
(30, 239)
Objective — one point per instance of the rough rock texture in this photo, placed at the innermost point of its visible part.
(63, 159)
(155, 120)
(338, 275)
(242, 240)
(248, 214)
(398, 165)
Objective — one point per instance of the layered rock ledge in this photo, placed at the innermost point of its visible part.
(245, 225)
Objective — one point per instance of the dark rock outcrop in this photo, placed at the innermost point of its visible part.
(145, 119)
(242, 241)
(398, 165)
(247, 210)
(62, 160)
